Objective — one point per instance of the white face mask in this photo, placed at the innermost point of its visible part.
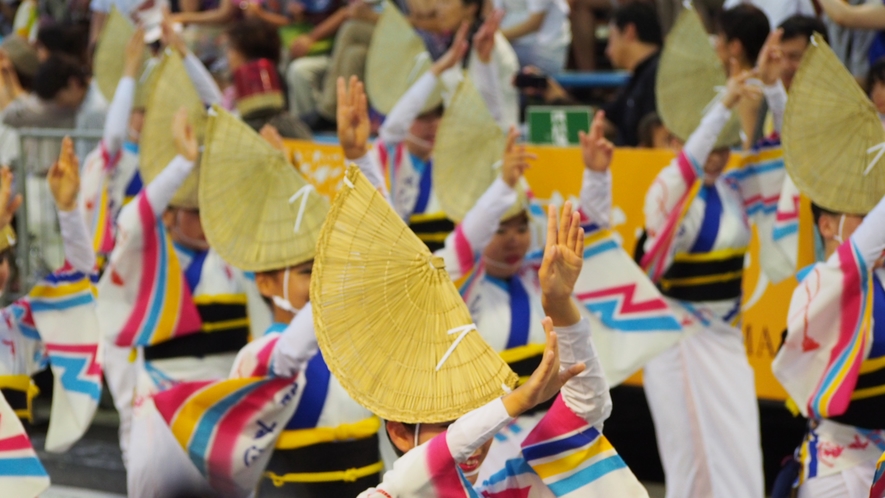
(283, 302)
(838, 236)
(417, 432)
(420, 142)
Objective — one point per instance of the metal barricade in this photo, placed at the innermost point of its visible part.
(39, 247)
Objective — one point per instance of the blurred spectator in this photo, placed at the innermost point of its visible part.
(538, 30)
(551, 93)
(585, 16)
(777, 11)
(63, 38)
(253, 56)
(857, 47)
(668, 11)
(634, 44)
(876, 85)
(20, 62)
(797, 31)
(653, 134)
(145, 13)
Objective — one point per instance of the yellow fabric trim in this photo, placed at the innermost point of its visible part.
(792, 407)
(666, 283)
(423, 217)
(221, 299)
(21, 382)
(133, 355)
(349, 475)
(520, 353)
(869, 392)
(596, 236)
(433, 237)
(225, 325)
(873, 365)
(719, 255)
(299, 438)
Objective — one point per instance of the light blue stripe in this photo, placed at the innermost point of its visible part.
(199, 443)
(605, 311)
(600, 248)
(513, 468)
(780, 232)
(22, 467)
(756, 169)
(157, 299)
(39, 305)
(586, 476)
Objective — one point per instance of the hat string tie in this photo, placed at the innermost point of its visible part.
(304, 193)
(462, 330)
(879, 150)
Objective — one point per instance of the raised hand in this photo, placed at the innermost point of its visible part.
(562, 263)
(771, 59)
(596, 151)
(272, 136)
(8, 204)
(353, 118)
(134, 54)
(185, 138)
(170, 37)
(516, 159)
(734, 87)
(455, 53)
(545, 381)
(484, 39)
(64, 177)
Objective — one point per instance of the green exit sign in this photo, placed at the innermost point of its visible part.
(557, 125)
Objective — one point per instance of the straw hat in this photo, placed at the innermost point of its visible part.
(258, 212)
(110, 52)
(469, 144)
(833, 139)
(396, 58)
(172, 90)
(146, 82)
(690, 76)
(389, 321)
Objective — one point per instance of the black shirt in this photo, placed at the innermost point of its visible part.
(634, 101)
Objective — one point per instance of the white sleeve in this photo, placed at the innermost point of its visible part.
(204, 83)
(586, 394)
(869, 236)
(78, 246)
(535, 6)
(475, 428)
(596, 196)
(116, 124)
(161, 191)
(487, 84)
(296, 346)
(700, 144)
(399, 120)
(481, 222)
(776, 96)
(370, 167)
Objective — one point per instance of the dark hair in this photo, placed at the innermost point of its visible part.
(876, 74)
(817, 212)
(748, 25)
(255, 39)
(68, 39)
(55, 72)
(803, 26)
(644, 17)
(647, 126)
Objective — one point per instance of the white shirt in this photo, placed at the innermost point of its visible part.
(777, 10)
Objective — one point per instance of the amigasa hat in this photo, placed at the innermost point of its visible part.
(110, 52)
(257, 210)
(397, 57)
(833, 138)
(690, 78)
(172, 90)
(392, 327)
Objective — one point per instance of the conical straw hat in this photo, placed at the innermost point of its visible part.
(396, 58)
(146, 82)
(690, 77)
(833, 139)
(469, 143)
(258, 212)
(389, 321)
(173, 90)
(110, 52)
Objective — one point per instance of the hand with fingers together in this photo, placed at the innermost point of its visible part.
(562, 264)
(9, 204)
(353, 118)
(185, 138)
(134, 54)
(484, 39)
(516, 159)
(64, 177)
(455, 54)
(596, 150)
(546, 380)
(771, 59)
(734, 87)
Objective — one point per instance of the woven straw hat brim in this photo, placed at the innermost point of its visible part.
(690, 76)
(146, 83)
(831, 130)
(396, 58)
(249, 208)
(110, 52)
(384, 308)
(469, 143)
(172, 90)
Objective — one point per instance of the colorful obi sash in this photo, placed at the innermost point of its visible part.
(709, 276)
(225, 330)
(19, 391)
(432, 229)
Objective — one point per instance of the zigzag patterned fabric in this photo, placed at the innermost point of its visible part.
(64, 312)
(21, 473)
(878, 489)
(228, 428)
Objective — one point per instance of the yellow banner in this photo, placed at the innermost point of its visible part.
(557, 174)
